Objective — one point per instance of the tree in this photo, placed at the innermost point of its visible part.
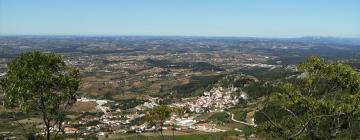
(323, 103)
(158, 115)
(41, 82)
(180, 112)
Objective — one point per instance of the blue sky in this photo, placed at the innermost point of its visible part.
(244, 18)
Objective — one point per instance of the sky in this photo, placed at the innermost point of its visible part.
(238, 18)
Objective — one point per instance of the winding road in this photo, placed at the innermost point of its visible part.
(242, 122)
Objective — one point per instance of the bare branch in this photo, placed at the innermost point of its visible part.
(307, 123)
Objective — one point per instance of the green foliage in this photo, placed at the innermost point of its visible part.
(130, 103)
(159, 114)
(226, 81)
(40, 82)
(323, 104)
(257, 90)
(220, 118)
(229, 135)
(91, 123)
(239, 113)
(108, 96)
(197, 85)
(248, 130)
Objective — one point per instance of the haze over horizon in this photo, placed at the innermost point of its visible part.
(255, 18)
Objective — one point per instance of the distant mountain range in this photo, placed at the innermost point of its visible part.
(323, 40)
(336, 40)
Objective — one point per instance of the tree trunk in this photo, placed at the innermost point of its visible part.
(173, 129)
(47, 125)
(162, 136)
(161, 132)
(48, 133)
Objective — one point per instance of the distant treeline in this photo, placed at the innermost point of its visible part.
(195, 66)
